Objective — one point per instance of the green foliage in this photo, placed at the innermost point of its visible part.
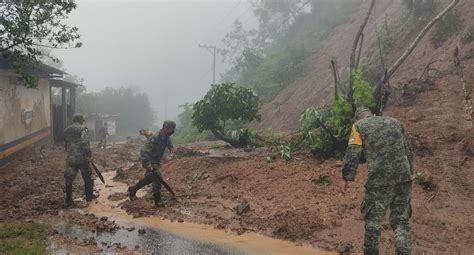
(286, 152)
(363, 92)
(275, 72)
(186, 132)
(23, 238)
(278, 146)
(340, 117)
(468, 36)
(273, 56)
(322, 180)
(325, 133)
(223, 103)
(133, 107)
(29, 27)
(445, 28)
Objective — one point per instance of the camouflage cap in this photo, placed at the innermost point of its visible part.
(78, 119)
(169, 124)
(360, 110)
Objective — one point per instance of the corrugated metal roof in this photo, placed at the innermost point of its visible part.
(40, 69)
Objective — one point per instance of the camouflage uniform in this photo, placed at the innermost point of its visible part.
(103, 133)
(78, 149)
(150, 156)
(387, 149)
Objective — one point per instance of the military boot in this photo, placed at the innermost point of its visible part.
(91, 197)
(132, 190)
(158, 201)
(68, 201)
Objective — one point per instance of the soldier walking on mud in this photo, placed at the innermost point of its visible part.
(387, 149)
(79, 156)
(151, 155)
(103, 133)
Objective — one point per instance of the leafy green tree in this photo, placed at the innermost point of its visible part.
(29, 28)
(225, 103)
(186, 131)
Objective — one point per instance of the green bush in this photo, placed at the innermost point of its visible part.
(445, 28)
(326, 133)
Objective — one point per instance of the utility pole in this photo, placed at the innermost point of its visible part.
(212, 50)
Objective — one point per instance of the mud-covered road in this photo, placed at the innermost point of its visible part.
(232, 192)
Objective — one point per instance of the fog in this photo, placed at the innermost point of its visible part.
(152, 45)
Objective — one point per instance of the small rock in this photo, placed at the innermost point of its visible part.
(242, 208)
(345, 249)
(103, 218)
(130, 229)
(180, 220)
(137, 247)
(141, 231)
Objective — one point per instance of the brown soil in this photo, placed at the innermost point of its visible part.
(282, 201)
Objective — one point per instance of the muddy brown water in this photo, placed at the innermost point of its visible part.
(166, 237)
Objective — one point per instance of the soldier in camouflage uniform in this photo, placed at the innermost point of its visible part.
(78, 157)
(103, 133)
(151, 155)
(387, 150)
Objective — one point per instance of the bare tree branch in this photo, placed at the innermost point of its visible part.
(352, 66)
(413, 45)
(401, 59)
(360, 49)
(336, 81)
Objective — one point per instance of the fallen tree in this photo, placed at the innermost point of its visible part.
(223, 104)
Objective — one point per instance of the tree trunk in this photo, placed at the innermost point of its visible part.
(336, 81)
(352, 66)
(378, 90)
(243, 140)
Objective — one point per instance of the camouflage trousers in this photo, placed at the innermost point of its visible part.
(152, 170)
(102, 143)
(86, 172)
(374, 206)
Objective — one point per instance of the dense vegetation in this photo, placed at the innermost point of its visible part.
(29, 28)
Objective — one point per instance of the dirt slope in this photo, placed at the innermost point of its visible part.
(316, 84)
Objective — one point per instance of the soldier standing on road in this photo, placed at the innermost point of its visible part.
(103, 133)
(78, 157)
(151, 155)
(388, 152)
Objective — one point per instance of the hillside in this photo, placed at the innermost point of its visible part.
(316, 85)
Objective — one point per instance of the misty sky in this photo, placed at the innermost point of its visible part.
(152, 45)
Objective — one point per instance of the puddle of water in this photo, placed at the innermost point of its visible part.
(153, 241)
(249, 243)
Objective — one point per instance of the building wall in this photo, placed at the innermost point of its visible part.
(25, 116)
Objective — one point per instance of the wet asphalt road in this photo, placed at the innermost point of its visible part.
(152, 241)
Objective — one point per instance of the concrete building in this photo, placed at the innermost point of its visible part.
(26, 115)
